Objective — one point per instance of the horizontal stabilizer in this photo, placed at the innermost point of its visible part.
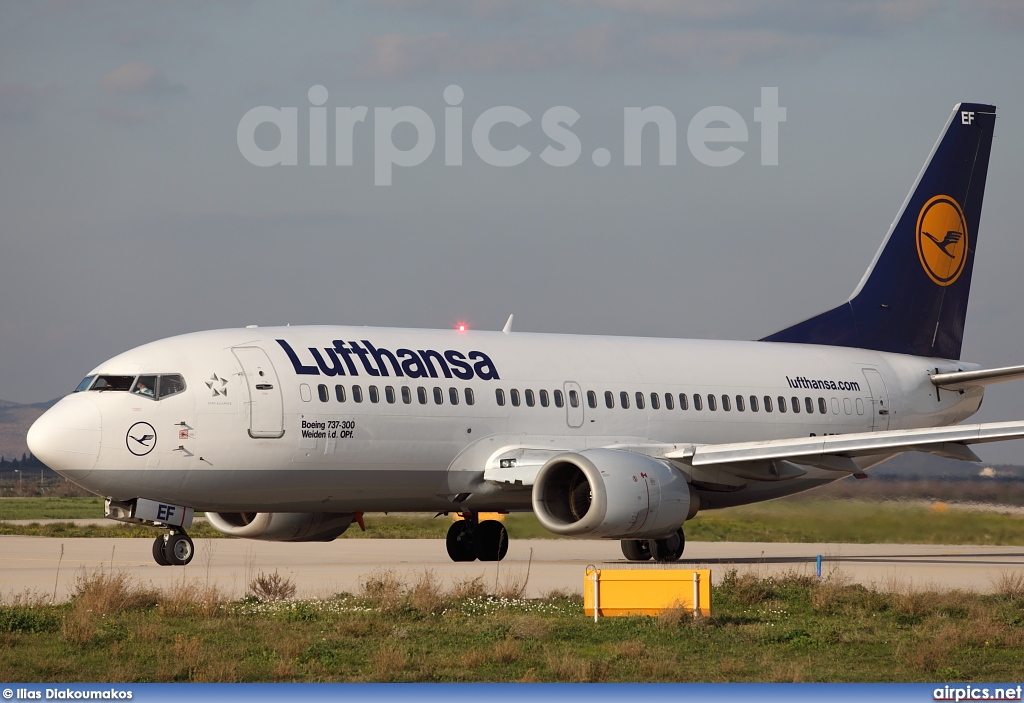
(975, 379)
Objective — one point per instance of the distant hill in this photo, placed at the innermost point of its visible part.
(15, 419)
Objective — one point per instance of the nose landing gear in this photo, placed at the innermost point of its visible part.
(470, 539)
(174, 549)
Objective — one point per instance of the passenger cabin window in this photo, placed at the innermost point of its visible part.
(453, 395)
(712, 403)
(339, 393)
(753, 403)
(782, 404)
(698, 404)
(794, 403)
(545, 399)
(438, 396)
(684, 403)
(514, 395)
(726, 405)
(559, 400)
(323, 393)
(668, 402)
(574, 399)
(809, 406)
(592, 399)
(624, 399)
(767, 403)
(823, 406)
(113, 383)
(655, 401)
(145, 386)
(421, 395)
(609, 399)
(470, 397)
(739, 403)
(357, 394)
(639, 400)
(374, 394)
(84, 385)
(406, 395)
(389, 394)
(530, 400)
(499, 396)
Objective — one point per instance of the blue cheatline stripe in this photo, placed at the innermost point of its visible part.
(500, 693)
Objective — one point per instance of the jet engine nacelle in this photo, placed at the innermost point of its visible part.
(612, 494)
(282, 527)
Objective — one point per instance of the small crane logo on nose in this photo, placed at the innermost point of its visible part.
(140, 439)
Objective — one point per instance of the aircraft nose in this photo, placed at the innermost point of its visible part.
(67, 436)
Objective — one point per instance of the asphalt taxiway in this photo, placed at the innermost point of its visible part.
(36, 564)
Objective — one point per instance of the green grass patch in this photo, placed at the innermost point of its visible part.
(51, 508)
(852, 521)
(789, 628)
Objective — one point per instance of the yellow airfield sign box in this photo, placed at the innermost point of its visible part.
(646, 591)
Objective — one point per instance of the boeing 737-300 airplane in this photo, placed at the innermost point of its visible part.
(292, 433)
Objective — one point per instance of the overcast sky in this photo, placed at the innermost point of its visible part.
(129, 213)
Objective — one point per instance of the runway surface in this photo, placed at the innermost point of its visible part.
(323, 569)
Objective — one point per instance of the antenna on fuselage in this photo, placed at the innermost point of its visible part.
(508, 325)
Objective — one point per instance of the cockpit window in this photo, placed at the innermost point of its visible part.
(84, 385)
(113, 383)
(146, 386)
(170, 384)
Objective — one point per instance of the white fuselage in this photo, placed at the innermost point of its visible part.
(236, 440)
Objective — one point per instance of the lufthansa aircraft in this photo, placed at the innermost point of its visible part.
(292, 433)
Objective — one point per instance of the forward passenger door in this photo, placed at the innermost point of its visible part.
(266, 401)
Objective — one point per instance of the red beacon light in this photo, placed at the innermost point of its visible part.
(461, 327)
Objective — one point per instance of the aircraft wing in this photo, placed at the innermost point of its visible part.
(516, 466)
(973, 379)
(835, 452)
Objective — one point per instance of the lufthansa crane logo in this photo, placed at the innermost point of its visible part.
(942, 239)
(141, 438)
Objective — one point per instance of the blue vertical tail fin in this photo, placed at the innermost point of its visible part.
(913, 298)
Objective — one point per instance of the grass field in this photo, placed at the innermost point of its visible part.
(807, 520)
(862, 522)
(793, 628)
(51, 508)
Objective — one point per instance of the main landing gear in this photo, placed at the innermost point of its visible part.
(661, 550)
(173, 549)
(469, 539)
